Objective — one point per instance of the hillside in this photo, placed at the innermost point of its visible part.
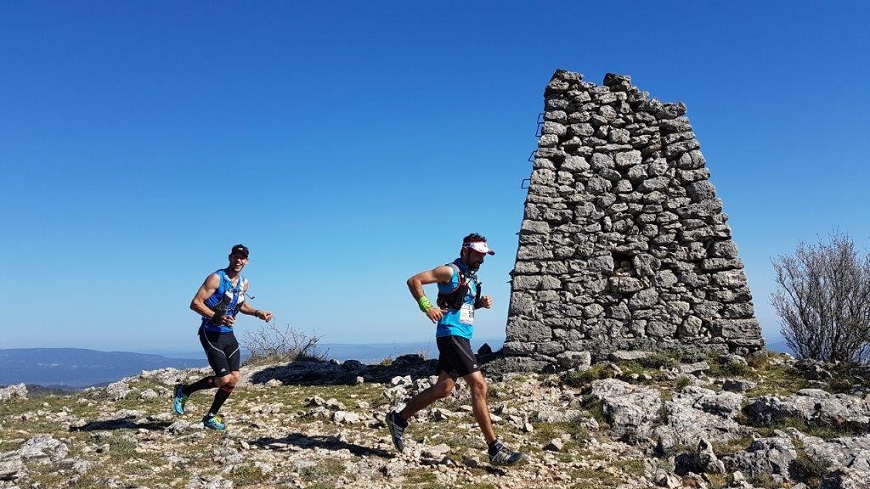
(630, 423)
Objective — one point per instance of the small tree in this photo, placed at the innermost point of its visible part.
(272, 343)
(823, 300)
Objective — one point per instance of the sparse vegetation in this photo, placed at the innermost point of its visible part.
(593, 479)
(323, 471)
(821, 431)
(766, 480)
(720, 367)
(421, 476)
(682, 382)
(717, 481)
(808, 471)
(823, 300)
(580, 378)
(247, 474)
(275, 344)
(544, 432)
(661, 359)
(777, 379)
(730, 447)
(595, 409)
(632, 467)
(134, 437)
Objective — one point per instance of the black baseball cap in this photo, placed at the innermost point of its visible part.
(240, 249)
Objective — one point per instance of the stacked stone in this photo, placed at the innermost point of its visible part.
(624, 245)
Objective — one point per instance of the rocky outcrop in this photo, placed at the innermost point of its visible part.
(632, 411)
(18, 390)
(813, 407)
(847, 452)
(321, 424)
(771, 456)
(349, 372)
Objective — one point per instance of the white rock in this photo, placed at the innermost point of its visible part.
(17, 390)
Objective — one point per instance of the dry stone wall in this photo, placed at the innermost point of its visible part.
(623, 245)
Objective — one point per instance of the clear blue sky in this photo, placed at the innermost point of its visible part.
(352, 144)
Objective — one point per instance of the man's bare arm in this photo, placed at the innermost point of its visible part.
(441, 274)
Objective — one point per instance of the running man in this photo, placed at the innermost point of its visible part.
(458, 298)
(219, 299)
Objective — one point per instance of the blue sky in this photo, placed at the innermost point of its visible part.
(352, 144)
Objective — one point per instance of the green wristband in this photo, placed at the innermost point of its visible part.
(424, 303)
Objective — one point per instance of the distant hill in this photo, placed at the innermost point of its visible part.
(779, 345)
(74, 367)
(78, 368)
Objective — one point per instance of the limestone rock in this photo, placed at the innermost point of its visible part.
(12, 391)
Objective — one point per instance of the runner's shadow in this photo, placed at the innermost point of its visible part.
(347, 373)
(125, 423)
(352, 372)
(325, 442)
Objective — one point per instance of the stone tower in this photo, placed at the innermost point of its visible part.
(624, 245)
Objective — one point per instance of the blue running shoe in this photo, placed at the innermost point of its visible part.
(214, 422)
(179, 400)
(506, 456)
(394, 423)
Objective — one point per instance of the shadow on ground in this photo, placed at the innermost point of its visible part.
(125, 423)
(325, 442)
(351, 371)
(347, 373)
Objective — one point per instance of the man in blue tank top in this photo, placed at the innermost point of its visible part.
(219, 299)
(458, 298)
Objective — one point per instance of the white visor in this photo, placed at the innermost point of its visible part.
(480, 247)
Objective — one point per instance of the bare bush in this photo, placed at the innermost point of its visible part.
(823, 300)
(273, 343)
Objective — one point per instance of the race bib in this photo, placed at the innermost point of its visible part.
(466, 314)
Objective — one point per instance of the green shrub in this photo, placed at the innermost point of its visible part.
(807, 470)
(681, 382)
(720, 367)
(595, 408)
(660, 359)
(580, 378)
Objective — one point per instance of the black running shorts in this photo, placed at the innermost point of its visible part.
(455, 357)
(222, 351)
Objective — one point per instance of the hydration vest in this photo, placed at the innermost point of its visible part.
(227, 299)
(454, 300)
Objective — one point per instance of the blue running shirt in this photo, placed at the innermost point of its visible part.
(458, 322)
(226, 298)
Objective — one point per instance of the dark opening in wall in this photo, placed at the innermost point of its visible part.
(708, 247)
(621, 262)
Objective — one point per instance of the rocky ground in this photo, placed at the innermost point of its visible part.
(634, 422)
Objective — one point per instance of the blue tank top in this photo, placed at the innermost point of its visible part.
(458, 322)
(226, 298)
